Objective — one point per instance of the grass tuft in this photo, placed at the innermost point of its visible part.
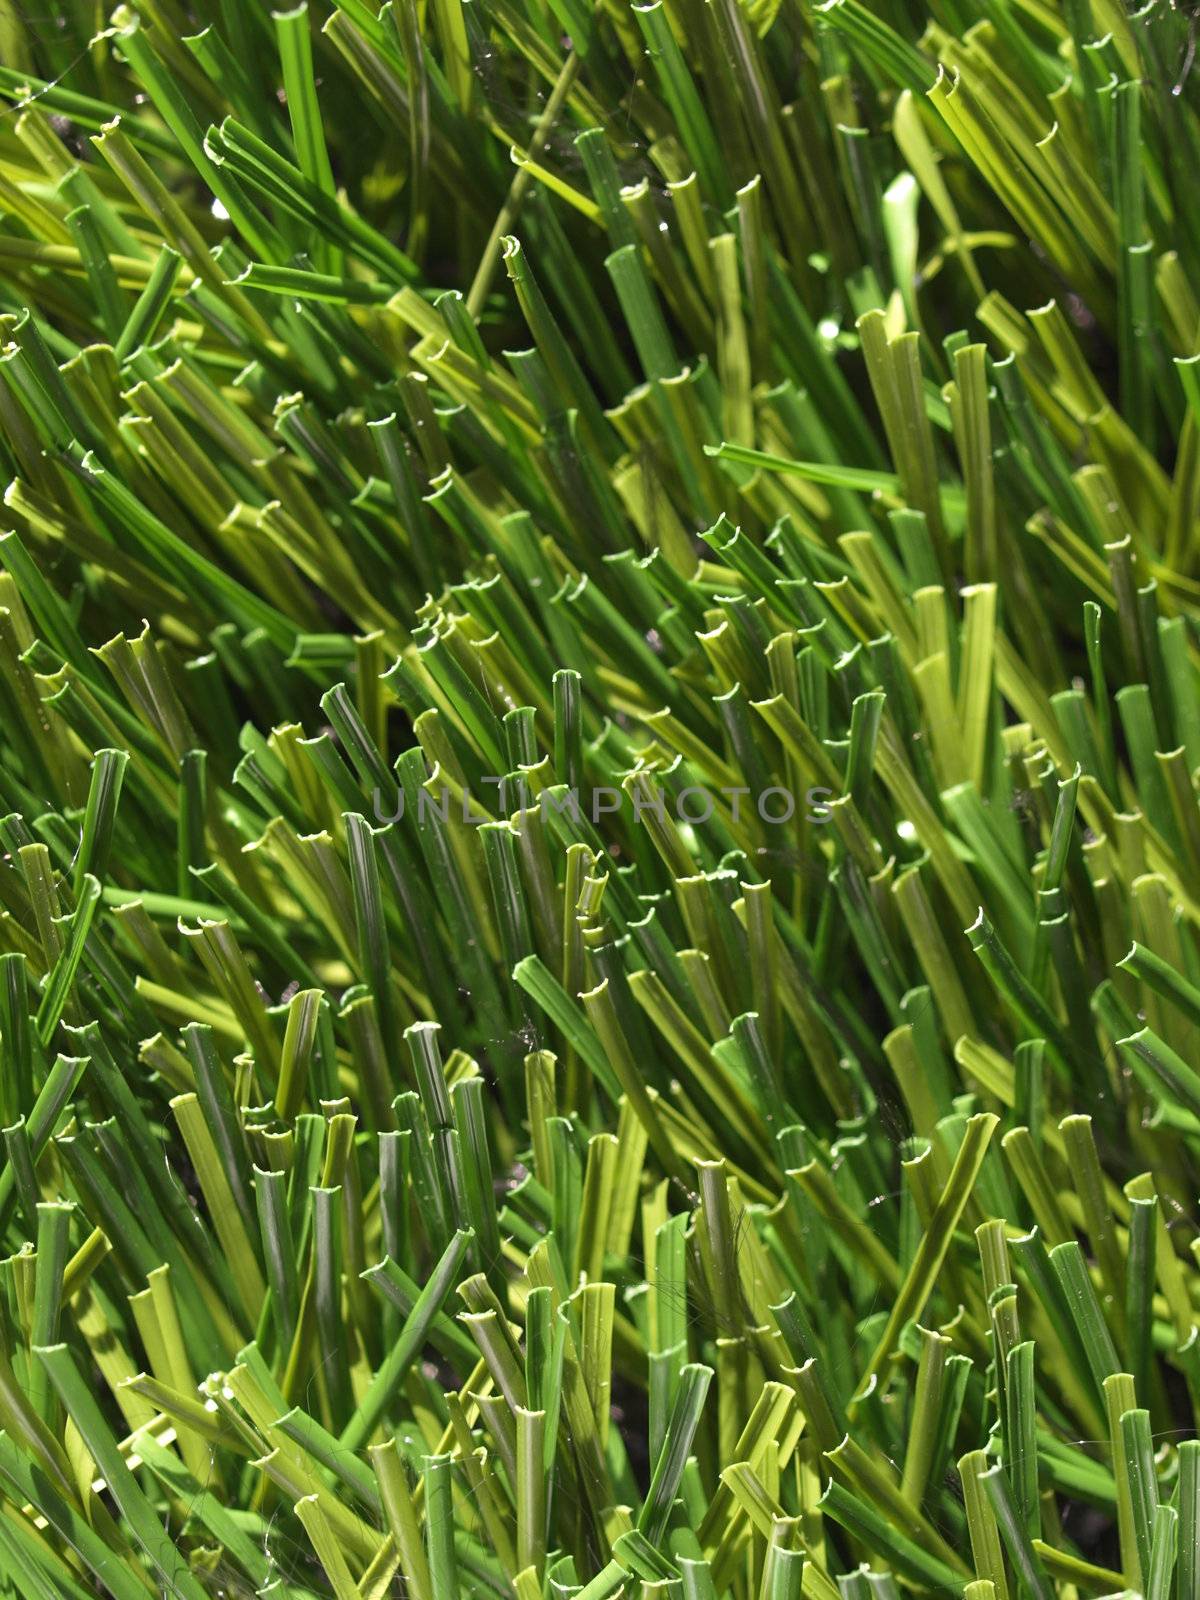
(599, 838)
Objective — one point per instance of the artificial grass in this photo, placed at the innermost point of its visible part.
(439, 1159)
